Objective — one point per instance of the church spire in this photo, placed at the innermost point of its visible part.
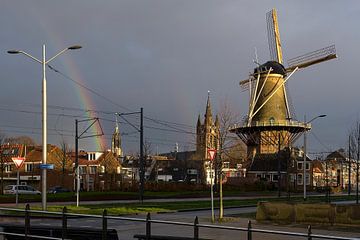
(116, 140)
(208, 113)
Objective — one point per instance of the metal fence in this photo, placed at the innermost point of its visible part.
(195, 225)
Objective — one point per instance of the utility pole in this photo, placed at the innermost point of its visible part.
(349, 174)
(357, 165)
(279, 166)
(77, 137)
(142, 164)
(77, 173)
(141, 157)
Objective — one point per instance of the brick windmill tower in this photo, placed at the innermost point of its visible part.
(270, 125)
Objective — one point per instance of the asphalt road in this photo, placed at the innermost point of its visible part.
(127, 229)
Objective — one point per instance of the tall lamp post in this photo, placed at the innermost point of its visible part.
(304, 165)
(44, 62)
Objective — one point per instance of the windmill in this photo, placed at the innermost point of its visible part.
(269, 125)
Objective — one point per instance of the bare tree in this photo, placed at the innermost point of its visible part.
(26, 140)
(354, 152)
(228, 145)
(2, 161)
(62, 159)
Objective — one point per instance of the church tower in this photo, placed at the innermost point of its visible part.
(207, 133)
(116, 141)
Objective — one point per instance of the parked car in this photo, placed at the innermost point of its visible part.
(22, 189)
(58, 189)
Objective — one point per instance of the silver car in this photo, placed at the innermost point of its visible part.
(22, 189)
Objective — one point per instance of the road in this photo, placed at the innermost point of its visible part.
(127, 229)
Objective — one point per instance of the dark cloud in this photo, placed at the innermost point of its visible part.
(165, 56)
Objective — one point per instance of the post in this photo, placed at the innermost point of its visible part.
(27, 220)
(142, 164)
(196, 228)
(279, 166)
(148, 227)
(304, 165)
(44, 130)
(357, 165)
(309, 232)
(212, 193)
(349, 174)
(104, 225)
(17, 186)
(249, 233)
(64, 223)
(77, 173)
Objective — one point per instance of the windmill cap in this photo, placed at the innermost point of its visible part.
(276, 67)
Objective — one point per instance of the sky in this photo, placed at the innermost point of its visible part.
(164, 56)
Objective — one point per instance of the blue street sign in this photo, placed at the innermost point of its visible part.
(46, 166)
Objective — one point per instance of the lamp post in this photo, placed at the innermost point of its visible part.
(304, 165)
(44, 62)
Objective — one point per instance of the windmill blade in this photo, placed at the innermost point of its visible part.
(274, 36)
(244, 84)
(318, 56)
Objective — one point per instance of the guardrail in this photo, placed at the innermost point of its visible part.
(249, 230)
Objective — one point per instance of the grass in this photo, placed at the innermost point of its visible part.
(142, 208)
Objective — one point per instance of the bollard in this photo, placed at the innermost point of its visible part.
(104, 225)
(249, 233)
(196, 228)
(27, 220)
(64, 223)
(309, 232)
(148, 227)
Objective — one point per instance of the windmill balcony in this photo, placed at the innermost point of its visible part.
(271, 123)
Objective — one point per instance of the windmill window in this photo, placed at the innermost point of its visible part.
(271, 120)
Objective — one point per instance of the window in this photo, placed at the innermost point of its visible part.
(92, 169)
(226, 165)
(307, 166)
(275, 178)
(82, 169)
(307, 180)
(9, 168)
(299, 165)
(300, 179)
(292, 177)
(29, 167)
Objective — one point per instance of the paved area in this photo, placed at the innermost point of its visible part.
(127, 229)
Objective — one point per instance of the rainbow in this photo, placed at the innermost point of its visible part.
(85, 100)
(56, 42)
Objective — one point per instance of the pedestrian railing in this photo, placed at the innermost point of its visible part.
(195, 225)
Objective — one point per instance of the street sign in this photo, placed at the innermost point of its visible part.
(212, 153)
(18, 161)
(46, 166)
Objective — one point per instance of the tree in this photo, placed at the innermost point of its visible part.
(354, 151)
(227, 143)
(26, 140)
(2, 161)
(62, 160)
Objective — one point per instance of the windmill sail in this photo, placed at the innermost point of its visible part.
(274, 36)
(318, 56)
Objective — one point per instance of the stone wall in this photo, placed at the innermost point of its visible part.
(321, 213)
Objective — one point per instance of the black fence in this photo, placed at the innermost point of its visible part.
(28, 231)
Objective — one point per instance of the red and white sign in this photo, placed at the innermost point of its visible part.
(19, 161)
(212, 153)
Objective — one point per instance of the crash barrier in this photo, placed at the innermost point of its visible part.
(317, 213)
(106, 234)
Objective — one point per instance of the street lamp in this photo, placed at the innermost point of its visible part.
(44, 62)
(304, 165)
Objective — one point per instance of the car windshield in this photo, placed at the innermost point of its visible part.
(8, 187)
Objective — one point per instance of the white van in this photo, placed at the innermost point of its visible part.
(22, 189)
